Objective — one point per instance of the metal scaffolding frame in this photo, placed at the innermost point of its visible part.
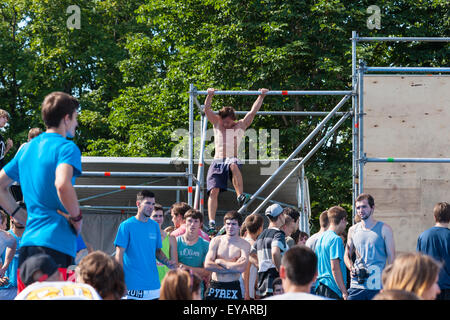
(359, 69)
(302, 187)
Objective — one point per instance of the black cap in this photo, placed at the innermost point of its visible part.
(39, 262)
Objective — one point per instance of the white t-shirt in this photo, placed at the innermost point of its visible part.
(58, 290)
(296, 296)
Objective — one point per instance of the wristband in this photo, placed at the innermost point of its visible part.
(77, 218)
(15, 211)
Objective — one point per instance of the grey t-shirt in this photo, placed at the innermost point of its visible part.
(311, 242)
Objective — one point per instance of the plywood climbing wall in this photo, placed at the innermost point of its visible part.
(407, 116)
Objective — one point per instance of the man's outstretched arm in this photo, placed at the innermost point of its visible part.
(248, 119)
(212, 117)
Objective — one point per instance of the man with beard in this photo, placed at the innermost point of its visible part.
(373, 243)
(138, 245)
(227, 258)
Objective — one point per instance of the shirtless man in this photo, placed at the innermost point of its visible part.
(228, 134)
(227, 258)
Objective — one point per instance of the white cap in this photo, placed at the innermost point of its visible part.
(274, 210)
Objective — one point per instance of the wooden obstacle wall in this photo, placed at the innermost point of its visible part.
(407, 116)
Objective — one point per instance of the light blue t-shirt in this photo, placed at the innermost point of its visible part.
(140, 241)
(330, 246)
(193, 256)
(80, 243)
(34, 167)
(11, 273)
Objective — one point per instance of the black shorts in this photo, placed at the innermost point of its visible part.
(61, 259)
(327, 292)
(224, 290)
(219, 172)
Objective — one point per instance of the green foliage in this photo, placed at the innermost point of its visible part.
(131, 63)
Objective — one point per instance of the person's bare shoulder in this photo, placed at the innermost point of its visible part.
(386, 230)
(352, 228)
(244, 244)
(216, 241)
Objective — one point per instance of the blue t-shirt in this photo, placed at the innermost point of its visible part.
(140, 241)
(330, 246)
(34, 167)
(435, 242)
(11, 273)
(80, 243)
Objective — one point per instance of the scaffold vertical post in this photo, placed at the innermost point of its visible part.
(201, 163)
(191, 142)
(354, 124)
(299, 191)
(361, 71)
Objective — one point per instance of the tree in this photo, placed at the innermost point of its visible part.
(131, 63)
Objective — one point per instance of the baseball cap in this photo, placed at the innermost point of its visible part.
(39, 262)
(274, 210)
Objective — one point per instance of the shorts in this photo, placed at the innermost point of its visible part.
(325, 291)
(142, 295)
(224, 290)
(361, 294)
(219, 172)
(61, 259)
(265, 282)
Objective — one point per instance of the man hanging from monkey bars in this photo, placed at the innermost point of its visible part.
(228, 134)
